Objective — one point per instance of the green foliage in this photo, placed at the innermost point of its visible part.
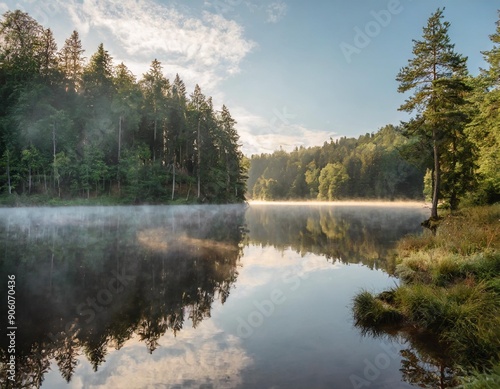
(371, 166)
(450, 289)
(483, 380)
(374, 311)
(74, 128)
(437, 75)
(332, 180)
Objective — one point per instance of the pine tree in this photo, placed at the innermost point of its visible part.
(71, 61)
(156, 89)
(436, 74)
(48, 56)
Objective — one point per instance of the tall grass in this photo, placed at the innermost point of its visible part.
(450, 287)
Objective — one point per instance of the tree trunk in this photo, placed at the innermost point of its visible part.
(173, 179)
(437, 178)
(8, 172)
(154, 144)
(119, 137)
(29, 180)
(54, 169)
(199, 159)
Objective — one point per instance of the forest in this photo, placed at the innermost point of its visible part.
(72, 127)
(447, 152)
(371, 166)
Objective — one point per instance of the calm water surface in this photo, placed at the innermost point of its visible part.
(202, 297)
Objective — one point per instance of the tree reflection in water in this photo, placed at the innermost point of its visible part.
(356, 235)
(349, 234)
(88, 280)
(425, 361)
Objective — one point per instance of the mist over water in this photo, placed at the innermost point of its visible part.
(222, 296)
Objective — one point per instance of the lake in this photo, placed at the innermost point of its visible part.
(255, 296)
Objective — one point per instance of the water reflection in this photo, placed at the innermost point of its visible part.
(88, 280)
(145, 280)
(425, 363)
(349, 234)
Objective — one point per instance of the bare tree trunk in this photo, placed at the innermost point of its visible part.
(119, 137)
(154, 144)
(119, 154)
(29, 180)
(173, 179)
(437, 178)
(8, 172)
(54, 169)
(199, 159)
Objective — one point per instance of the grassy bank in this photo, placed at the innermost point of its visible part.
(450, 289)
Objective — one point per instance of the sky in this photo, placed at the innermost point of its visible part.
(292, 72)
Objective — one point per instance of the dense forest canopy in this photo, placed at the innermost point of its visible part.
(448, 151)
(72, 126)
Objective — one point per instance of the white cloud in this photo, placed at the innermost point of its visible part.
(261, 265)
(205, 355)
(276, 11)
(208, 48)
(265, 135)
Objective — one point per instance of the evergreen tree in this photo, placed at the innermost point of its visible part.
(437, 75)
(71, 61)
(48, 56)
(98, 92)
(156, 89)
(67, 129)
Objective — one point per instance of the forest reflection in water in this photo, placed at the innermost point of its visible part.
(88, 279)
(92, 280)
(347, 232)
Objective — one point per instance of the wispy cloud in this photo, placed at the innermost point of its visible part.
(207, 47)
(265, 135)
(201, 357)
(276, 11)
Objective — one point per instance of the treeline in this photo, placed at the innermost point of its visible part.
(72, 127)
(371, 166)
(448, 151)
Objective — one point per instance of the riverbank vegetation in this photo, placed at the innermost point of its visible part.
(72, 128)
(450, 289)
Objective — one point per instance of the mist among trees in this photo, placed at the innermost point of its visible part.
(76, 126)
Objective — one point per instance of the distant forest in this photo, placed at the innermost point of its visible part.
(77, 128)
(371, 166)
(447, 152)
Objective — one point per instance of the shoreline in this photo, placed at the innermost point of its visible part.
(357, 203)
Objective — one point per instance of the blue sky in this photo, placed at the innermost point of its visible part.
(292, 72)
